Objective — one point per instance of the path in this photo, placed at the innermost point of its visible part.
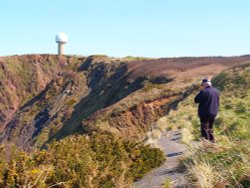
(174, 149)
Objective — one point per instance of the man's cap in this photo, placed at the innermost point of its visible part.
(205, 80)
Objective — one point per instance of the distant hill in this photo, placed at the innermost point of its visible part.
(47, 96)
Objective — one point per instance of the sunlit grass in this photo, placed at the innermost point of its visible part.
(226, 163)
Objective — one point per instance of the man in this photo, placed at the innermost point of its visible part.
(208, 100)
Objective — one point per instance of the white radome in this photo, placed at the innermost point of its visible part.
(61, 38)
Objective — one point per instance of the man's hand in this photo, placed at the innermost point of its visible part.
(203, 86)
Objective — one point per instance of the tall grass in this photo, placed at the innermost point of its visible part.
(226, 163)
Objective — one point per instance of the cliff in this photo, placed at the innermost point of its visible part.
(46, 96)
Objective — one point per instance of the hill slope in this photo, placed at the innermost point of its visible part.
(45, 96)
(226, 163)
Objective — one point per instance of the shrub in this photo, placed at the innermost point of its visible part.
(80, 161)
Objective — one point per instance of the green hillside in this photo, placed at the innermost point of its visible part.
(226, 163)
(80, 122)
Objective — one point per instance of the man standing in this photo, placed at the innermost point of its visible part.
(208, 100)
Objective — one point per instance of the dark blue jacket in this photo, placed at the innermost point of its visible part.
(208, 100)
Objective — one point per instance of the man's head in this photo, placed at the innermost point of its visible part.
(205, 83)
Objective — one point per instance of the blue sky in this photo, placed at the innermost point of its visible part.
(149, 28)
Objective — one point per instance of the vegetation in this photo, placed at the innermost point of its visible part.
(72, 89)
(226, 163)
(132, 58)
(79, 161)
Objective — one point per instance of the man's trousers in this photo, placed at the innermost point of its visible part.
(207, 127)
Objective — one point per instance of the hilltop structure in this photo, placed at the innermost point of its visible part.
(61, 39)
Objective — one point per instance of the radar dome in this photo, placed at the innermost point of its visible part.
(61, 38)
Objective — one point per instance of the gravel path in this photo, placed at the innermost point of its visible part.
(174, 149)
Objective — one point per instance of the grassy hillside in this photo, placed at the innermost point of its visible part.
(111, 102)
(46, 97)
(226, 163)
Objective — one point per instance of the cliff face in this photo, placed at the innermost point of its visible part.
(24, 77)
(45, 96)
(28, 86)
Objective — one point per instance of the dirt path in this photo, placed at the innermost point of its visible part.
(174, 149)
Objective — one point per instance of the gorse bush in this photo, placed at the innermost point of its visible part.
(21, 170)
(79, 161)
